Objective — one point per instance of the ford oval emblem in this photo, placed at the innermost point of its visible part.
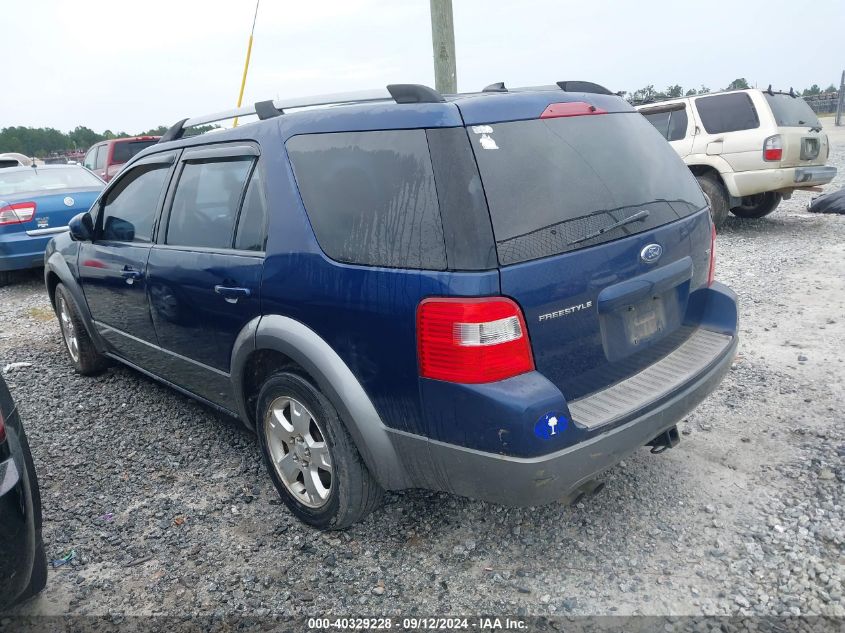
(68, 201)
(651, 253)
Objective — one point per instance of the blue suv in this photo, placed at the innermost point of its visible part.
(497, 294)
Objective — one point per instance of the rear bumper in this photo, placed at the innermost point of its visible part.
(518, 481)
(747, 183)
(19, 251)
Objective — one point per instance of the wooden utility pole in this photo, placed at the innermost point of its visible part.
(443, 44)
(840, 106)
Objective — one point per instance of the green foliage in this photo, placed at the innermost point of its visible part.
(41, 142)
(831, 88)
(811, 91)
(738, 84)
(674, 91)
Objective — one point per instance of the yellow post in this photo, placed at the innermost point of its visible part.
(246, 63)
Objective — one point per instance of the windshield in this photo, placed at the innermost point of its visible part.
(124, 150)
(47, 180)
(551, 183)
(792, 111)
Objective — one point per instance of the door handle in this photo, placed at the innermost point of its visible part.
(231, 294)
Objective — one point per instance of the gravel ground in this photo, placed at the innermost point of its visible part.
(169, 511)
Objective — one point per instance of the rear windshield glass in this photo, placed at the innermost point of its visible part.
(551, 183)
(371, 197)
(125, 150)
(47, 180)
(792, 111)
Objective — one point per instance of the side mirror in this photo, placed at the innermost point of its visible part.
(81, 228)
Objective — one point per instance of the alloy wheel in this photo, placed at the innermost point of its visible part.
(299, 452)
(68, 330)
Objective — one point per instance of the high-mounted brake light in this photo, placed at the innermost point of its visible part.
(711, 273)
(571, 108)
(773, 148)
(17, 213)
(472, 340)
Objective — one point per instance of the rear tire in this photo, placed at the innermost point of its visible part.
(716, 196)
(758, 205)
(301, 436)
(84, 357)
(38, 578)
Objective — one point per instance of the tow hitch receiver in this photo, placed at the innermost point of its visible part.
(668, 439)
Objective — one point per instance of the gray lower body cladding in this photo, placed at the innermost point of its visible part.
(516, 481)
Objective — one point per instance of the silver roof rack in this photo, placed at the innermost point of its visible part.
(400, 93)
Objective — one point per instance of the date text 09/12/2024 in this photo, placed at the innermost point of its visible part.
(417, 624)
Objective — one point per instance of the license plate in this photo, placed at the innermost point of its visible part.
(644, 320)
(809, 148)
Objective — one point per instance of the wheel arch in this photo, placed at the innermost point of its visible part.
(57, 271)
(272, 343)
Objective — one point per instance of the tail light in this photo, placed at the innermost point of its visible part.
(17, 213)
(571, 108)
(711, 273)
(773, 148)
(2, 428)
(472, 340)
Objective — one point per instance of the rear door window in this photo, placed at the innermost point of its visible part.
(551, 184)
(100, 161)
(730, 112)
(791, 111)
(371, 197)
(672, 124)
(205, 205)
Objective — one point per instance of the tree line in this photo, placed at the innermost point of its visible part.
(649, 93)
(43, 141)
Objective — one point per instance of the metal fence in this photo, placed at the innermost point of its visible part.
(823, 104)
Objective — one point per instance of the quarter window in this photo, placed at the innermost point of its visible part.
(205, 205)
(730, 112)
(252, 224)
(371, 197)
(130, 208)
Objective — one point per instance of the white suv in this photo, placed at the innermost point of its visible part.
(748, 148)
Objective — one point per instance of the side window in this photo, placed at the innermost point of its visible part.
(102, 152)
(370, 197)
(252, 224)
(671, 124)
(205, 205)
(659, 120)
(727, 113)
(677, 125)
(130, 209)
(90, 158)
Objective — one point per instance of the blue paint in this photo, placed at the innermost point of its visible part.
(550, 425)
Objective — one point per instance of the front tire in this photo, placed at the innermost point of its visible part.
(716, 196)
(310, 455)
(758, 205)
(84, 357)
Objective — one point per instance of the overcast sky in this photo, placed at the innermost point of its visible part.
(132, 65)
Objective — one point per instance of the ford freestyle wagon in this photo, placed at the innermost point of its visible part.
(497, 294)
